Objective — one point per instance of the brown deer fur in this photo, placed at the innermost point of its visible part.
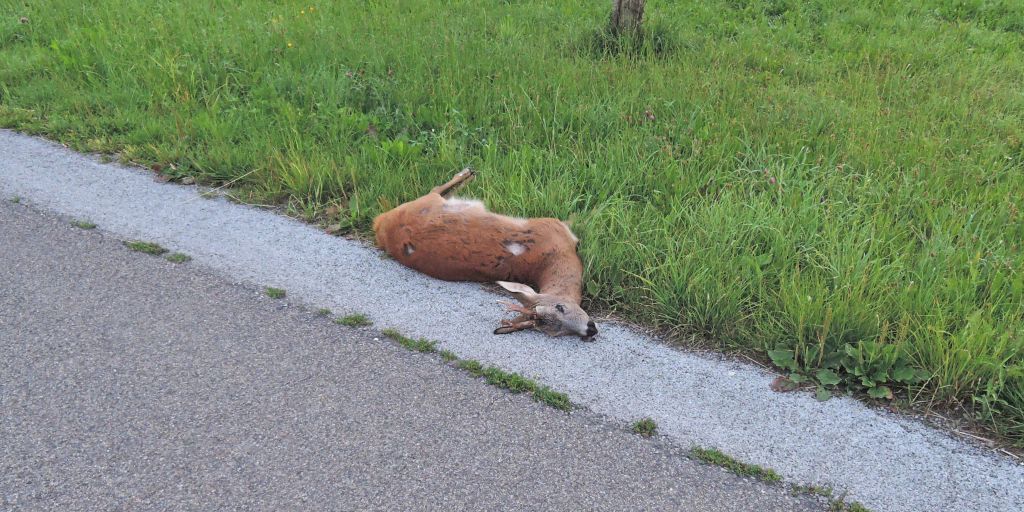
(459, 240)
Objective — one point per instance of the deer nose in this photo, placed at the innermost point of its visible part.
(591, 328)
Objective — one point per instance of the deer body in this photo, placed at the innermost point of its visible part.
(459, 240)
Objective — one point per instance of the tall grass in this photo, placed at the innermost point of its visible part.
(807, 176)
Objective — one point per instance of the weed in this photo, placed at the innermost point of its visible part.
(712, 456)
(15, 199)
(420, 345)
(448, 356)
(324, 312)
(274, 293)
(516, 383)
(472, 366)
(511, 381)
(83, 224)
(146, 247)
(645, 427)
(835, 504)
(556, 399)
(178, 257)
(817, 490)
(841, 505)
(354, 320)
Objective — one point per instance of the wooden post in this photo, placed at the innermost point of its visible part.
(627, 15)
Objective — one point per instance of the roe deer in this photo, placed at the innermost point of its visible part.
(459, 240)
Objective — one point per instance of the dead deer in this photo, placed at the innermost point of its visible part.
(459, 240)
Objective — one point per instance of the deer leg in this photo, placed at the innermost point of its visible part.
(516, 308)
(460, 179)
(516, 324)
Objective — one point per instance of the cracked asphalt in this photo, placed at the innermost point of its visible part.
(131, 383)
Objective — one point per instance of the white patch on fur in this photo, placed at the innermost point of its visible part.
(515, 248)
(409, 249)
(567, 230)
(455, 204)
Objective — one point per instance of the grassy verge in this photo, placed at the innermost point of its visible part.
(837, 184)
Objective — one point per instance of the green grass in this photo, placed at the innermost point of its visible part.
(275, 293)
(15, 200)
(472, 366)
(645, 427)
(145, 247)
(849, 506)
(178, 257)
(354, 320)
(420, 345)
(516, 383)
(712, 456)
(83, 224)
(801, 176)
(494, 376)
(818, 490)
(324, 312)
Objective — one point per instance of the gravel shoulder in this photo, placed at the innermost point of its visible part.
(882, 460)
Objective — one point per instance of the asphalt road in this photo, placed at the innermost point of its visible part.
(131, 383)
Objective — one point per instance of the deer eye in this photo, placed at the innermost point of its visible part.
(560, 308)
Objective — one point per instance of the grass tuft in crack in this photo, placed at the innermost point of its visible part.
(712, 456)
(513, 382)
(847, 506)
(178, 257)
(645, 427)
(275, 293)
(15, 199)
(516, 383)
(83, 224)
(354, 320)
(495, 376)
(817, 490)
(420, 345)
(145, 247)
(556, 399)
(835, 504)
(324, 312)
(472, 366)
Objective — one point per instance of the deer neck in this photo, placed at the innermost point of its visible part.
(562, 277)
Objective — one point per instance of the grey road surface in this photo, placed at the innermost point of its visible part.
(131, 383)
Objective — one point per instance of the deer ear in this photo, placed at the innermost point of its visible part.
(522, 293)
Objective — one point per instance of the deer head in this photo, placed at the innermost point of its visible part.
(551, 314)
